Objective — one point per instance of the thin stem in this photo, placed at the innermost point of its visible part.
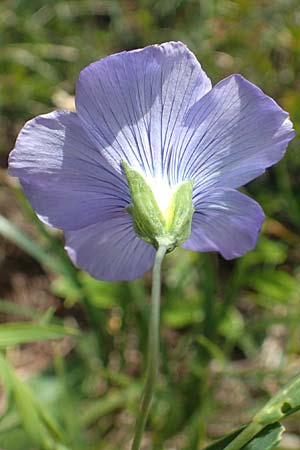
(245, 436)
(153, 348)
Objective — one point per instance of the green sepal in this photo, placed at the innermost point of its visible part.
(151, 225)
(148, 219)
(180, 212)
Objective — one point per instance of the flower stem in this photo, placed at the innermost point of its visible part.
(153, 348)
(245, 436)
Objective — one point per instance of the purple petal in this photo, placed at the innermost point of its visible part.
(132, 103)
(225, 221)
(69, 184)
(110, 250)
(232, 134)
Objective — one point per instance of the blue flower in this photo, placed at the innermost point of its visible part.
(154, 109)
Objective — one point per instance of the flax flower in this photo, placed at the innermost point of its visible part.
(154, 111)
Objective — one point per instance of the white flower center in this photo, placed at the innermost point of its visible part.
(162, 192)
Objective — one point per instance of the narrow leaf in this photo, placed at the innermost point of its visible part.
(21, 333)
(280, 406)
(9, 231)
(267, 439)
(28, 413)
(26, 408)
(114, 400)
(9, 307)
(57, 262)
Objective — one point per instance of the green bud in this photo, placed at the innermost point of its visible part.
(169, 225)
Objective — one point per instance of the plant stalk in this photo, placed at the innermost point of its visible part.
(153, 348)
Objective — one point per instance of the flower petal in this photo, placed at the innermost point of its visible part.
(232, 134)
(67, 181)
(225, 221)
(131, 103)
(110, 250)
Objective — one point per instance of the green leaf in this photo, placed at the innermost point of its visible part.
(114, 400)
(267, 439)
(21, 333)
(276, 286)
(101, 294)
(282, 405)
(179, 314)
(9, 231)
(57, 262)
(28, 413)
(40, 427)
(262, 429)
(9, 307)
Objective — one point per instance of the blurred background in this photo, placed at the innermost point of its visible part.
(72, 376)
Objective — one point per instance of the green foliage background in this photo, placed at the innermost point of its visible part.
(230, 330)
